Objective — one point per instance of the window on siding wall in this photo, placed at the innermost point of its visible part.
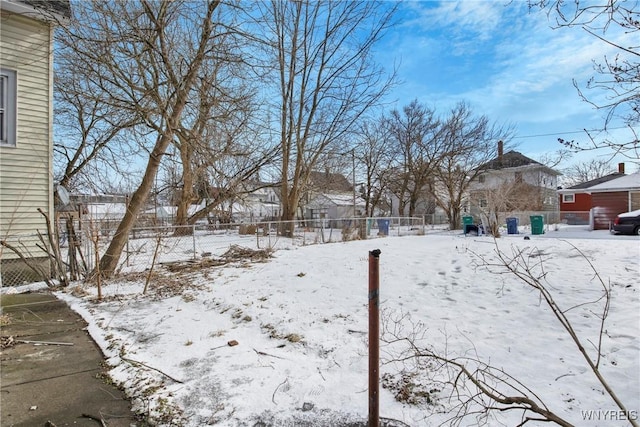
(7, 107)
(518, 177)
(568, 198)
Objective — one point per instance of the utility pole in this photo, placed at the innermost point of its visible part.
(353, 177)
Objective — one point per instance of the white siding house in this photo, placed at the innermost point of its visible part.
(26, 111)
(514, 182)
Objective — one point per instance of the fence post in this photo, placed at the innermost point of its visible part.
(193, 235)
(374, 337)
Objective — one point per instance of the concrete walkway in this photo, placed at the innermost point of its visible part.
(56, 384)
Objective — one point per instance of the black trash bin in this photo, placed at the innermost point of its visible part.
(512, 225)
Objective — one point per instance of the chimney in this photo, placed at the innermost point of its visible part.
(500, 148)
(620, 167)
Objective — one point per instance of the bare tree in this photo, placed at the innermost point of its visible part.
(228, 177)
(373, 155)
(89, 132)
(475, 387)
(587, 171)
(556, 158)
(617, 24)
(414, 133)
(324, 79)
(216, 129)
(145, 58)
(464, 144)
(506, 196)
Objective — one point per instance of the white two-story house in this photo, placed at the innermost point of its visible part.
(513, 182)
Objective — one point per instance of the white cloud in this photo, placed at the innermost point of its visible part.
(482, 19)
(506, 62)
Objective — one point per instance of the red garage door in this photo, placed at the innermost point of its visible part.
(606, 206)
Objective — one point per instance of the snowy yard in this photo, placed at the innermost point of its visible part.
(300, 323)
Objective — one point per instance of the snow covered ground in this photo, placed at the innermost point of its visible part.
(300, 322)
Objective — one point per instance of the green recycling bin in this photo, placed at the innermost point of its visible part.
(466, 222)
(537, 224)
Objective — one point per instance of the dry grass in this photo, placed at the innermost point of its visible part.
(235, 254)
(5, 319)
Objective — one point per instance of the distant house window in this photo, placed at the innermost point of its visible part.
(568, 198)
(483, 203)
(518, 176)
(7, 107)
(481, 179)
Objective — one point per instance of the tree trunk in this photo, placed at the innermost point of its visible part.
(186, 196)
(454, 217)
(109, 261)
(289, 208)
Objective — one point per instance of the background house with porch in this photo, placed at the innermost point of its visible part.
(513, 182)
(262, 203)
(331, 206)
(331, 196)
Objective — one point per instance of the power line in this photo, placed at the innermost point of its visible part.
(565, 133)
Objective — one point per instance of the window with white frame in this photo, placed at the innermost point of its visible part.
(7, 107)
(568, 198)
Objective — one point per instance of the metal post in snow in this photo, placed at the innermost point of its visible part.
(193, 235)
(374, 337)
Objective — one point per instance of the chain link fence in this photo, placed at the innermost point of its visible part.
(24, 259)
(81, 244)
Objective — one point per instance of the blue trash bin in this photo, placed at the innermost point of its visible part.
(383, 227)
(512, 225)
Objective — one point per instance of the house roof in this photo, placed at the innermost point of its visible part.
(103, 211)
(513, 159)
(47, 10)
(623, 183)
(596, 181)
(343, 199)
(327, 181)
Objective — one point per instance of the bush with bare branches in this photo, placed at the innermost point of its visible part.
(466, 386)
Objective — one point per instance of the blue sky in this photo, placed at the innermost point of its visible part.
(506, 63)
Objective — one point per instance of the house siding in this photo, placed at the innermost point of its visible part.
(541, 193)
(634, 200)
(577, 212)
(26, 169)
(582, 203)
